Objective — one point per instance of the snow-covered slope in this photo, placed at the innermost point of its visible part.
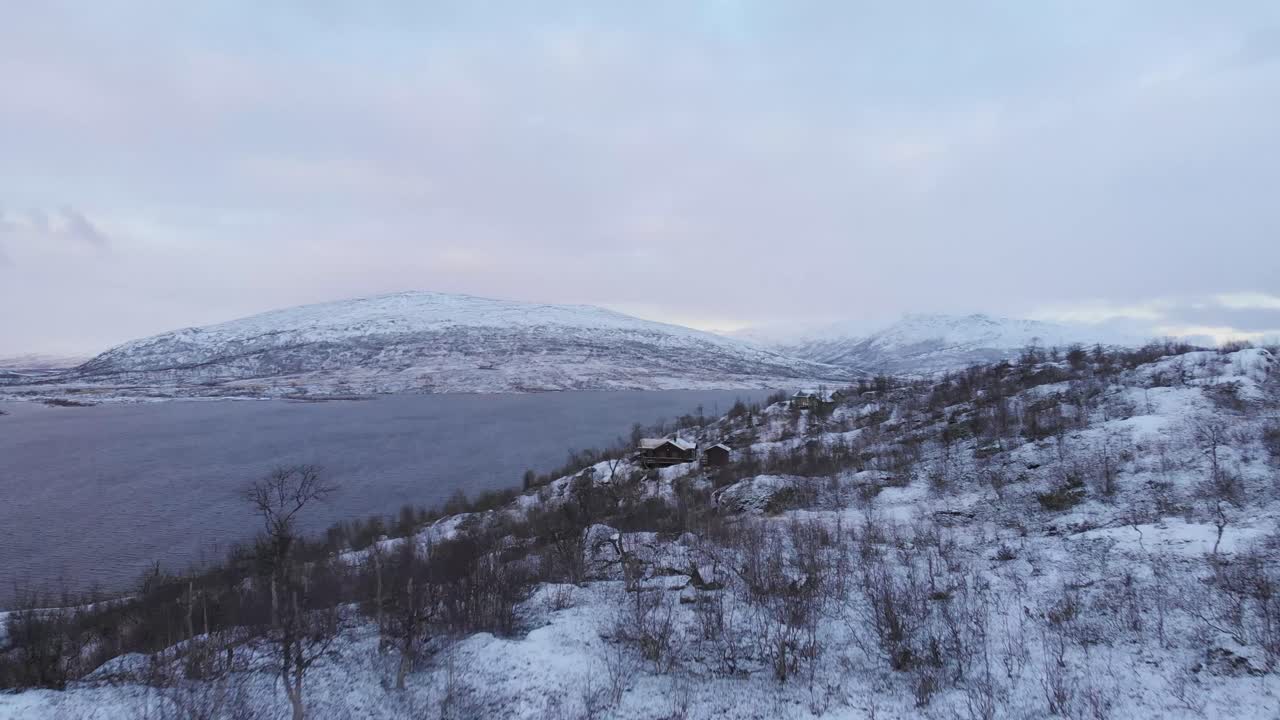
(1047, 541)
(32, 366)
(434, 342)
(931, 343)
(40, 362)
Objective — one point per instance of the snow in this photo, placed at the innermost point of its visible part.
(40, 361)
(413, 312)
(1179, 537)
(654, 443)
(927, 343)
(428, 342)
(983, 331)
(1021, 563)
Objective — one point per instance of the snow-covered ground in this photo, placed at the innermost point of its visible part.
(1104, 556)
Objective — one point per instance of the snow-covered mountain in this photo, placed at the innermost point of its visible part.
(40, 362)
(926, 343)
(434, 342)
(31, 366)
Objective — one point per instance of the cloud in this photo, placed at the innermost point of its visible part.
(1100, 311)
(1210, 319)
(1248, 301)
(1260, 46)
(1218, 334)
(75, 226)
(64, 225)
(733, 163)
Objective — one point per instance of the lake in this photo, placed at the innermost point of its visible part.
(94, 496)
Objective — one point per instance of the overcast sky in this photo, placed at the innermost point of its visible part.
(720, 164)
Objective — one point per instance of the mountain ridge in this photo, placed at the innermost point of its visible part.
(923, 343)
(422, 341)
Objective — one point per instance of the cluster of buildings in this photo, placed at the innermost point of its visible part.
(664, 452)
(805, 400)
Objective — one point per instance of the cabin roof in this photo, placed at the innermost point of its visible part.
(654, 443)
(722, 446)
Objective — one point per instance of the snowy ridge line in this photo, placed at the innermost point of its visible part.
(931, 343)
(427, 342)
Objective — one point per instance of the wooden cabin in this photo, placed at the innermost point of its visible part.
(717, 454)
(803, 400)
(663, 452)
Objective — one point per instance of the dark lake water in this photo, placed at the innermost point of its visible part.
(94, 496)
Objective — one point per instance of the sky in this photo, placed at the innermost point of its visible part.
(718, 164)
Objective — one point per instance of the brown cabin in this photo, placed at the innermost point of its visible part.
(663, 452)
(717, 454)
(804, 400)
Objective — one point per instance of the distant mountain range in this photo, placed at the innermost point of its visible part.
(40, 362)
(921, 344)
(32, 366)
(435, 342)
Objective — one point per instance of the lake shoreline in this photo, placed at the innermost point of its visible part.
(155, 481)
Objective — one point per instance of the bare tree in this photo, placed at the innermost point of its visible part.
(412, 606)
(1210, 433)
(301, 627)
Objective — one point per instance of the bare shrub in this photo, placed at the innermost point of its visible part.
(1057, 682)
(1248, 589)
(1184, 687)
(218, 693)
(1062, 497)
(647, 621)
(1271, 442)
(1211, 433)
(620, 667)
(45, 646)
(894, 609)
(924, 685)
(560, 597)
(785, 579)
(723, 630)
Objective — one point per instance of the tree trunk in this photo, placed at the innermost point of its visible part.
(411, 629)
(293, 660)
(382, 628)
(191, 607)
(295, 701)
(275, 613)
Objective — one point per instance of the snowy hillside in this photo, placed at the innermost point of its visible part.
(1096, 537)
(35, 366)
(433, 342)
(932, 343)
(40, 362)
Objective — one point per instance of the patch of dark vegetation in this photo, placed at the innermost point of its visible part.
(1063, 497)
(63, 402)
(324, 398)
(1271, 441)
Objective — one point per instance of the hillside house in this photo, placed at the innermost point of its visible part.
(804, 400)
(717, 454)
(663, 452)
